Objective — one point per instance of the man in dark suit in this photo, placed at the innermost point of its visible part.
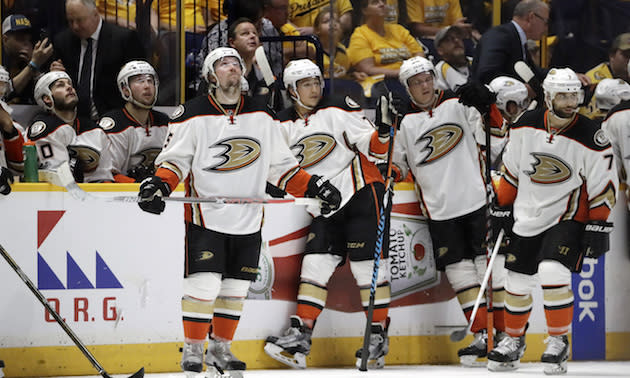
(504, 45)
(105, 47)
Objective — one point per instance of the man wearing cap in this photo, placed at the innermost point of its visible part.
(21, 58)
(453, 70)
(615, 68)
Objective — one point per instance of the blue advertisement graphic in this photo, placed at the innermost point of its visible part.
(589, 313)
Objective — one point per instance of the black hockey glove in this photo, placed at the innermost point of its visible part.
(476, 95)
(325, 191)
(501, 218)
(274, 191)
(151, 191)
(596, 238)
(387, 108)
(6, 179)
(140, 172)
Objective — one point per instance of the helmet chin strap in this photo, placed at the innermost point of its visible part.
(426, 105)
(141, 105)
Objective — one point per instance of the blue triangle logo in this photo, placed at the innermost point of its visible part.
(105, 278)
(46, 278)
(76, 279)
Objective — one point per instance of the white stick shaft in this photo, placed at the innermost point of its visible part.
(222, 200)
(263, 65)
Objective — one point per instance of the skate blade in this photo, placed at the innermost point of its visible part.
(373, 363)
(212, 372)
(555, 369)
(472, 361)
(296, 361)
(503, 366)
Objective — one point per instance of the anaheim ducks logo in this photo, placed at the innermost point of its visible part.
(439, 141)
(147, 157)
(88, 156)
(238, 152)
(311, 149)
(548, 169)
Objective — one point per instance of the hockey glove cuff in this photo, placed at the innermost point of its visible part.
(387, 109)
(596, 238)
(324, 190)
(6, 179)
(501, 218)
(151, 191)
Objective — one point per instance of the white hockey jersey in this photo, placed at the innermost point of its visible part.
(133, 144)
(336, 141)
(227, 155)
(568, 176)
(617, 127)
(441, 150)
(57, 141)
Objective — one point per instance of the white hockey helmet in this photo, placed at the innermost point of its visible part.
(413, 66)
(133, 68)
(610, 92)
(509, 89)
(42, 87)
(215, 55)
(561, 80)
(6, 86)
(297, 70)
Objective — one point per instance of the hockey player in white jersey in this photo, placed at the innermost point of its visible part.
(136, 130)
(439, 142)
(559, 174)
(11, 139)
(331, 137)
(60, 136)
(223, 144)
(613, 96)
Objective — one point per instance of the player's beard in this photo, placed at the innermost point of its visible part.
(65, 105)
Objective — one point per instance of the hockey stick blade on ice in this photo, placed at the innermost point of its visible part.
(60, 321)
(461, 333)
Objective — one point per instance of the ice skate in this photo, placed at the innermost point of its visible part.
(221, 362)
(477, 349)
(192, 359)
(293, 346)
(378, 347)
(507, 354)
(1, 367)
(556, 354)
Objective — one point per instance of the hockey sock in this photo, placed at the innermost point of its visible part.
(227, 314)
(558, 309)
(517, 311)
(311, 300)
(196, 316)
(498, 308)
(382, 297)
(466, 298)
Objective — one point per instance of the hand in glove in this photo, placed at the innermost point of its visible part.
(476, 95)
(140, 172)
(387, 109)
(596, 238)
(325, 191)
(501, 218)
(151, 191)
(6, 179)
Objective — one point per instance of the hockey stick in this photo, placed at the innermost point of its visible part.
(221, 200)
(62, 176)
(385, 211)
(460, 334)
(265, 69)
(62, 323)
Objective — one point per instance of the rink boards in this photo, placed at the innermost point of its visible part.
(114, 273)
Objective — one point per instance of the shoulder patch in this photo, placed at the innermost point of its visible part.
(177, 112)
(107, 123)
(351, 103)
(600, 138)
(36, 129)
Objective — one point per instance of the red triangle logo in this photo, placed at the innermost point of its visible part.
(46, 221)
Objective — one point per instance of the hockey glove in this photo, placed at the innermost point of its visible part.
(6, 179)
(501, 218)
(151, 191)
(387, 108)
(596, 238)
(76, 167)
(140, 172)
(476, 95)
(325, 191)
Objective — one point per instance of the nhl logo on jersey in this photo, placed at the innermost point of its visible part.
(600, 138)
(178, 111)
(107, 123)
(36, 129)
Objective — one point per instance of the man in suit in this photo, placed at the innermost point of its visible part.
(104, 47)
(506, 44)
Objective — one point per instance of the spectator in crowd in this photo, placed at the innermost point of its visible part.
(196, 15)
(61, 135)
(275, 23)
(302, 14)
(377, 48)
(321, 29)
(506, 44)
(120, 13)
(92, 52)
(243, 36)
(21, 58)
(454, 69)
(616, 67)
(427, 17)
(136, 131)
(11, 139)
